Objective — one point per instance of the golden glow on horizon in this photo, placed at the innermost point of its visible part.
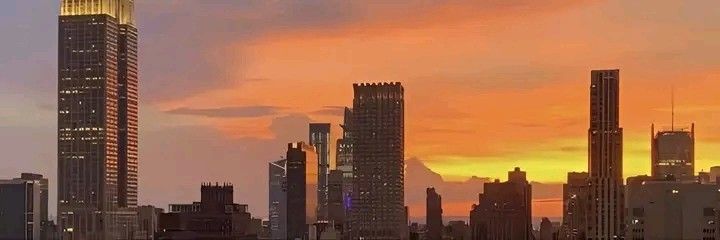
(123, 10)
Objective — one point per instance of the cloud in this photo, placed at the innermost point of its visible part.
(228, 112)
(331, 110)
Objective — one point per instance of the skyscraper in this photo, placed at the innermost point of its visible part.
(504, 209)
(302, 176)
(343, 162)
(20, 206)
(320, 139)
(673, 153)
(277, 204)
(575, 198)
(605, 215)
(97, 119)
(378, 161)
(433, 214)
(336, 211)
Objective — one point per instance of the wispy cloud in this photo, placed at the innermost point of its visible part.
(228, 112)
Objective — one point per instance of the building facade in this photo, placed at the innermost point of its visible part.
(20, 209)
(504, 210)
(605, 215)
(575, 199)
(665, 209)
(336, 209)
(216, 216)
(148, 221)
(433, 214)
(42, 183)
(378, 161)
(302, 202)
(673, 153)
(343, 162)
(277, 204)
(320, 139)
(97, 119)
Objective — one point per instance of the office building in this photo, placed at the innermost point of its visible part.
(458, 230)
(20, 209)
(302, 176)
(336, 209)
(216, 216)
(343, 162)
(433, 214)
(715, 174)
(605, 215)
(148, 221)
(378, 161)
(666, 209)
(320, 139)
(42, 183)
(97, 119)
(504, 210)
(673, 153)
(575, 199)
(277, 208)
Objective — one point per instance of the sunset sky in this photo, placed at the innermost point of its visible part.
(489, 84)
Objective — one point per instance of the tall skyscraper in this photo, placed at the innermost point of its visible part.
(302, 176)
(433, 214)
(673, 153)
(336, 210)
(97, 119)
(277, 205)
(575, 198)
(605, 215)
(320, 139)
(504, 210)
(378, 161)
(20, 209)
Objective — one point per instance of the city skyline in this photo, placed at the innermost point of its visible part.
(451, 139)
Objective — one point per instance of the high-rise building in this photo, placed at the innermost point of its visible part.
(320, 139)
(302, 176)
(20, 209)
(504, 210)
(666, 209)
(343, 162)
(216, 216)
(336, 210)
(575, 198)
(277, 208)
(673, 153)
(43, 184)
(378, 161)
(715, 174)
(433, 214)
(97, 119)
(605, 215)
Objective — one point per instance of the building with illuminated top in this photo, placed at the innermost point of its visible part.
(97, 119)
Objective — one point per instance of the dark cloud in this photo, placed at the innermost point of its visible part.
(228, 112)
(331, 111)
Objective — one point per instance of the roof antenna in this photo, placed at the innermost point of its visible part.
(672, 102)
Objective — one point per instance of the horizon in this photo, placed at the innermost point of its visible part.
(489, 86)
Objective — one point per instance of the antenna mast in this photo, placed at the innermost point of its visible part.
(672, 103)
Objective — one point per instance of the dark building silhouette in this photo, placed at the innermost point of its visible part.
(336, 210)
(20, 209)
(575, 199)
(605, 213)
(504, 210)
(433, 214)
(97, 119)
(43, 184)
(216, 216)
(320, 139)
(378, 161)
(457, 230)
(277, 204)
(148, 221)
(302, 176)
(673, 153)
(343, 162)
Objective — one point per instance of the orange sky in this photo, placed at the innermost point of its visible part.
(489, 85)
